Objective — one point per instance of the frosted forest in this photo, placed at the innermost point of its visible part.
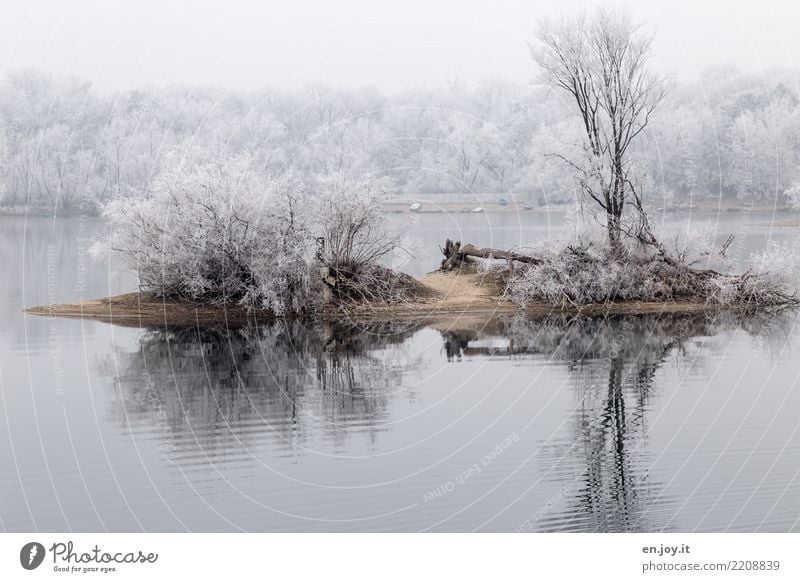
(730, 136)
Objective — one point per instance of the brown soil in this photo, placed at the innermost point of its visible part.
(144, 309)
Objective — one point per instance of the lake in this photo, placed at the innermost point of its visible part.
(465, 423)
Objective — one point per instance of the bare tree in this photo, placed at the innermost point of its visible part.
(602, 62)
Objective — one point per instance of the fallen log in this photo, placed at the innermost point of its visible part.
(455, 255)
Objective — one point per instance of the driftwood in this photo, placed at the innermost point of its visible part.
(455, 255)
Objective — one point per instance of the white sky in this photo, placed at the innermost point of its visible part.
(249, 44)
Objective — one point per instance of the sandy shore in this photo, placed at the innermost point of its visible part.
(453, 294)
(145, 310)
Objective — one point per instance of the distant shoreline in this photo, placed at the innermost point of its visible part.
(428, 206)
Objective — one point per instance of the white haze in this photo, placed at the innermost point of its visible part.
(241, 44)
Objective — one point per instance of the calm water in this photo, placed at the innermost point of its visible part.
(650, 423)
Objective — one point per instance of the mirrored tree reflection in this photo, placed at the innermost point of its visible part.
(603, 465)
(214, 392)
(281, 377)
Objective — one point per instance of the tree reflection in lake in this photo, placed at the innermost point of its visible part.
(604, 470)
(222, 391)
(281, 376)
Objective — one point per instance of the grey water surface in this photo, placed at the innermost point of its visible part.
(639, 423)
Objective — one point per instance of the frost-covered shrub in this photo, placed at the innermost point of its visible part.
(694, 244)
(584, 273)
(216, 231)
(352, 223)
(354, 236)
(771, 278)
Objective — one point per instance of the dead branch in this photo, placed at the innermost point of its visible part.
(455, 255)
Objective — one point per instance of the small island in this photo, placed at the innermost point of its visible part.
(215, 239)
(446, 295)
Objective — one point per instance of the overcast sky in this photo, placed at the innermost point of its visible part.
(249, 44)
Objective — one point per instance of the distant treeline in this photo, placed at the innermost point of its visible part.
(64, 145)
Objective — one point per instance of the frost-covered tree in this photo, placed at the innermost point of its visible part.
(602, 63)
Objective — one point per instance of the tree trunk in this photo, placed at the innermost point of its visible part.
(614, 229)
(455, 255)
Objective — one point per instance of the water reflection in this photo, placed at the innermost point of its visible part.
(218, 384)
(604, 469)
(222, 390)
(256, 411)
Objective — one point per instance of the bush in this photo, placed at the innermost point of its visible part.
(220, 232)
(352, 224)
(354, 238)
(585, 273)
(216, 232)
(771, 279)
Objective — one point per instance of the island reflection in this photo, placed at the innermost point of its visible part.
(292, 379)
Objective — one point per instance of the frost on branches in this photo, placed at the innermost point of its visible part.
(352, 224)
(355, 237)
(588, 271)
(216, 232)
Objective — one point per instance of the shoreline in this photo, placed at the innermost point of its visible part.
(453, 295)
(430, 205)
